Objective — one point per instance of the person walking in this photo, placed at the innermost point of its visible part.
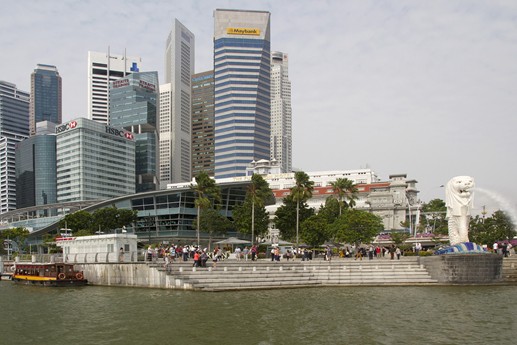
(215, 256)
(392, 252)
(398, 252)
(254, 253)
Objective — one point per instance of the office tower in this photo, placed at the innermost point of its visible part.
(242, 68)
(203, 123)
(36, 172)
(104, 68)
(94, 161)
(14, 127)
(134, 107)
(45, 99)
(281, 113)
(175, 103)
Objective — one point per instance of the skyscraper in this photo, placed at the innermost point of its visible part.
(36, 173)
(134, 107)
(175, 104)
(94, 161)
(14, 127)
(281, 113)
(104, 68)
(46, 99)
(242, 68)
(203, 123)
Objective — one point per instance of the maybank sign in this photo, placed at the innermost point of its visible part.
(243, 31)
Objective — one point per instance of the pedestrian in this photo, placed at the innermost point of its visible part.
(238, 253)
(254, 253)
(203, 258)
(329, 253)
(245, 253)
(149, 254)
(495, 247)
(277, 254)
(370, 252)
(215, 256)
(121, 255)
(397, 251)
(392, 252)
(196, 259)
(272, 254)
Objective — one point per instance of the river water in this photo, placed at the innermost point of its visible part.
(344, 315)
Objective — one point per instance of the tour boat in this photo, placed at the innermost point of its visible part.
(48, 274)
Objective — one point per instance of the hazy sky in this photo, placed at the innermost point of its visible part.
(427, 88)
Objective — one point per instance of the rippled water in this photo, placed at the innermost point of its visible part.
(345, 315)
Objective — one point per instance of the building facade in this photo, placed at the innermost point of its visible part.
(104, 68)
(14, 127)
(175, 106)
(94, 161)
(203, 123)
(242, 70)
(46, 96)
(134, 108)
(281, 112)
(36, 174)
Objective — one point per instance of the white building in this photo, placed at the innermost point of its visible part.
(99, 248)
(281, 112)
(102, 69)
(175, 106)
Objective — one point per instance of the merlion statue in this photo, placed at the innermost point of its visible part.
(458, 199)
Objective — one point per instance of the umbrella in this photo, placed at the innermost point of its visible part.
(232, 240)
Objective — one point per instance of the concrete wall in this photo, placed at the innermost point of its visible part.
(128, 274)
(464, 268)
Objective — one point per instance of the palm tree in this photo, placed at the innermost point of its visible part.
(258, 192)
(302, 191)
(344, 187)
(204, 188)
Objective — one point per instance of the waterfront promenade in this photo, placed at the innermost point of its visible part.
(265, 274)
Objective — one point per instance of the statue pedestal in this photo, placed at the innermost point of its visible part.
(485, 268)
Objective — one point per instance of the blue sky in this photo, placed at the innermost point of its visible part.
(426, 88)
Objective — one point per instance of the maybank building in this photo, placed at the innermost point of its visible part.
(94, 161)
(242, 71)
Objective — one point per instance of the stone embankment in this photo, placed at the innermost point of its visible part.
(510, 269)
(262, 274)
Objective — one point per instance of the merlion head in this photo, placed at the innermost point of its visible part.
(458, 192)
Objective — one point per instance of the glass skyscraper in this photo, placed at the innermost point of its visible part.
(14, 127)
(36, 174)
(242, 69)
(46, 99)
(94, 161)
(134, 107)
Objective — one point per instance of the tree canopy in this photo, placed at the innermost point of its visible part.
(355, 226)
(497, 227)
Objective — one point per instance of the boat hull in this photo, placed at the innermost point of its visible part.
(50, 282)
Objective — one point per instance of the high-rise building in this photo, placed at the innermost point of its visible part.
(14, 127)
(203, 123)
(46, 99)
(242, 69)
(104, 68)
(94, 161)
(175, 103)
(36, 174)
(134, 107)
(281, 113)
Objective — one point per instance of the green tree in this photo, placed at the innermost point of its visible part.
(345, 189)
(497, 227)
(315, 230)
(399, 237)
(208, 194)
(355, 226)
(213, 223)
(286, 215)
(17, 236)
(252, 213)
(434, 216)
(330, 211)
(301, 192)
(78, 221)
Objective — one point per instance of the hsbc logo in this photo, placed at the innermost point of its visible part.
(119, 133)
(66, 126)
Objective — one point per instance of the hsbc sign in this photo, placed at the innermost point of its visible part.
(119, 133)
(66, 126)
